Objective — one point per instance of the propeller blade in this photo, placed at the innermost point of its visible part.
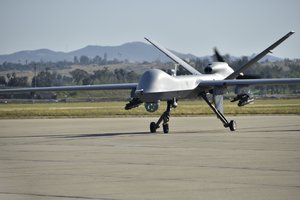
(218, 55)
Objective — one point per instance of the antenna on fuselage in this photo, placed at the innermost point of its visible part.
(174, 71)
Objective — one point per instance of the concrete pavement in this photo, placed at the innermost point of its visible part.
(116, 158)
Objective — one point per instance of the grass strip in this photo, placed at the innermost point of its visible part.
(116, 109)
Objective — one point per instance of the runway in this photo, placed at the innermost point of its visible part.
(116, 158)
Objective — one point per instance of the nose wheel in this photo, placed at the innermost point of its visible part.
(153, 127)
(164, 118)
(166, 128)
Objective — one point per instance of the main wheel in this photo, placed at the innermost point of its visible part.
(166, 128)
(153, 127)
(232, 125)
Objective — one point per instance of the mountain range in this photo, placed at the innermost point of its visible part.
(132, 52)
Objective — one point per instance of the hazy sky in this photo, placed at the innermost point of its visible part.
(238, 27)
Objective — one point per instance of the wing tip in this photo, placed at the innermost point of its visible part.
(290, 33)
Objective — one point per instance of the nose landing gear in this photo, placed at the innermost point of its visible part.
(164, 118)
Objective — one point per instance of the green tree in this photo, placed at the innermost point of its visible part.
(97, 60)
(3, 81)
(84, 60)
(15, 81)
(132, 76)
(47, 79)
(120, 75)
(75, 60)
(78, 75)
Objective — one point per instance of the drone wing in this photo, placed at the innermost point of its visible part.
(122, 86)
(247, 82)
(259, 56)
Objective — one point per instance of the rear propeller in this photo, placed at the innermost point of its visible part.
(220, 58)
(244, 94)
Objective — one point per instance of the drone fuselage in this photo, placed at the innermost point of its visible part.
(156, 84)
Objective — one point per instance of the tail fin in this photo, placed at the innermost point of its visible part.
(174, 57)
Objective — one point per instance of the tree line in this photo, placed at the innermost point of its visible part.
(47, 76)
(81, 77)
(77, 60)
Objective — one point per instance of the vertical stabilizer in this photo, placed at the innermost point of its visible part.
(174, 57)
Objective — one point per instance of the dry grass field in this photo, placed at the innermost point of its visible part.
(116, 109)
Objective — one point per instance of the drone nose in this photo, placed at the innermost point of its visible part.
(148, 81)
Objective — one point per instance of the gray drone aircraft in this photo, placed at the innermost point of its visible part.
(156, 85)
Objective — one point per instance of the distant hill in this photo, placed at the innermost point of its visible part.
(133, 52)
(34, 56)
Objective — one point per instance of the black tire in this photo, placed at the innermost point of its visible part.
(166, 128)
(153, 127)
(232, 125)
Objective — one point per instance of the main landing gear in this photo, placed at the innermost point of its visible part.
(164, 118)
(231, 125)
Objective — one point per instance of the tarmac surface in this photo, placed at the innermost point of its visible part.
(116, 158)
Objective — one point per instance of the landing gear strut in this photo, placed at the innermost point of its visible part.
(231, 125)
(164, 118)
